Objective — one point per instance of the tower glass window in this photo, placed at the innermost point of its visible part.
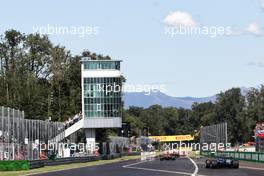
(102, 65)
(101, 86)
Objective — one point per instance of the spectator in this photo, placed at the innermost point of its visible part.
(76, 118)
(80, 115)
(70, 121)
(67, 123)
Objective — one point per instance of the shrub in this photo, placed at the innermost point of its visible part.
(14, 165)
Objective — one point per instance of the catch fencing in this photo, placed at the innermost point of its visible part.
(24, 139)
(214, 134)
(20, 138)
(125, 144)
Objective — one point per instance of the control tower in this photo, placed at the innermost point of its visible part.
(101, 95)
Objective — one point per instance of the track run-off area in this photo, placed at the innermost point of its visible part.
(180, 166)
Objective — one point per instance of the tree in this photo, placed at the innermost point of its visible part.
(10, 53)
(135, 122)
(58, 67)
(230, 108)
(203, 114)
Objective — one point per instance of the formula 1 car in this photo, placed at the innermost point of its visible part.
(221, 162)
(168, 156)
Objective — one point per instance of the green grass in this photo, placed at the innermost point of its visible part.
(65, 166)
(195, 155)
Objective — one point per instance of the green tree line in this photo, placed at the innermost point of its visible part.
(241, 112)
(44, 80)
(39, 77)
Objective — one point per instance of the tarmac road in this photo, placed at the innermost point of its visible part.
(181, 166)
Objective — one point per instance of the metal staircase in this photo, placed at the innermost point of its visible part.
(72, 129)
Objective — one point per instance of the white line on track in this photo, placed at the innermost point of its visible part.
(132, 166)
(195, 165)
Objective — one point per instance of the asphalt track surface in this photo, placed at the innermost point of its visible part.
(181, 166)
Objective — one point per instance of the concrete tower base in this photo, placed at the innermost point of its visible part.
(90, 139)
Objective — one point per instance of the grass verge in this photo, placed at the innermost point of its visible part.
(65, 167)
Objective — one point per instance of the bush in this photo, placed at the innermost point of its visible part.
(15, 165)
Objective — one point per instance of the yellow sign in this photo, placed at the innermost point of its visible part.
(172, 138)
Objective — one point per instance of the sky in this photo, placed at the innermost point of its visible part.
(136, 32)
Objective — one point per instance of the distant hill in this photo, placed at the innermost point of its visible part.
(142, 100)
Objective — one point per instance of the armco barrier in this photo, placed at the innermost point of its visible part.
(41, 163)
(24, 164)
(70, 160)
(36, 164)
(247, 156)
(118, 155)
(131, 154)
(111, 156)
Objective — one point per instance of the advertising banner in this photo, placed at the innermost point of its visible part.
(172, 138)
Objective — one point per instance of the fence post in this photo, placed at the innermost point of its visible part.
(13, 134)
(3, 133)
(8, 133)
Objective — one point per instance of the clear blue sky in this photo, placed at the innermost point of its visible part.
(134, 32)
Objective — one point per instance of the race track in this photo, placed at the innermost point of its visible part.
(181, 166)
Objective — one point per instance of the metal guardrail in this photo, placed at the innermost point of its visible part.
(41, 163)
(247, 156)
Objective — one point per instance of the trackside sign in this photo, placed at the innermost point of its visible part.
(172, 138)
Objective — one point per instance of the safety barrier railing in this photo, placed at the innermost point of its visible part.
(247, 156)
